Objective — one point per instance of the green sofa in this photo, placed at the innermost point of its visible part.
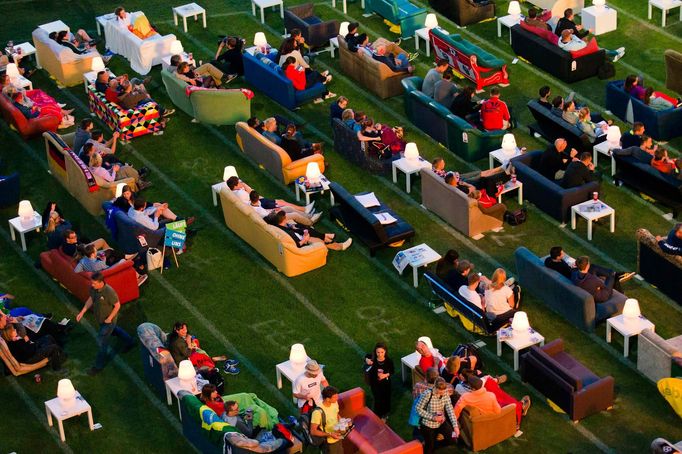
(453, 132)
(211, 106)
(400, 12)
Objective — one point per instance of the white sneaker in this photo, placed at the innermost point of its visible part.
(328, 79)
(62, 105)
(509, 281)
(316, 217)
(309, 207)
(621, 53)
(330, 95)
(318, 101)
(346, 244)
(141, 279)
(326, 73)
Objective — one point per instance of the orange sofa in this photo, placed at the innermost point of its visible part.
(25, 127)
(121, 277)
(371, 435)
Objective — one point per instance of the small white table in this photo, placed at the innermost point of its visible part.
(518, 342)
(173, 387)
(53, 407)
(502, 156)
(262, 4)
(101, 21)
(15, 225)
(215, 191)
(508, 21)
(188, 10)
(508, 187)
(301, 188)
(423, 33)
(408, 167)
(333, 44)
(290, 372)
(409, 362)
(345, 9)
(56, 26)
(665, 6)
(628, 328)
(605, 149)
(26, 50)
(585, 211)
(418, 256)
(601, 20)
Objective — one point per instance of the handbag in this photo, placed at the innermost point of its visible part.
(154, 259)
(516, 217)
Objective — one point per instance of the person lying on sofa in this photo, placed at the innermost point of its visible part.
(303, 235)
(38, 98)
(663, 163)
(570, 43)
(302, 79)
(79, 43)
(201, 76)
(184, 346)
(633, 86)
(117, 172)
(600, 287)
(657, 102)
(29, 324)
(243, 192)
(567, 23)
(396, 63)
(292, 214)
(489, 180)
(127, 200)
(565, 265)
(672, 244)
(27, 351)
(296, 146)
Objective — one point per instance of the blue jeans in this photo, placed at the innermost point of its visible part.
(106, 330)
(404, 62)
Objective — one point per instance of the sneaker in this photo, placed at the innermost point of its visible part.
(525, 403)
(318, 101)
(626, 276)
(330, 95)
(94, 371)
(326, 73)
(398, 41)
(141, 279)
(309, 207)
(316, 217)
(328, 79)
(346, 244)
(413, 56)
(227, 78)
(107, 58)
(62, 105)
(142, 185)
(190, 220)
(130, 256)
(232, 362)
(621, 52)
(168, 112)
(230, 370)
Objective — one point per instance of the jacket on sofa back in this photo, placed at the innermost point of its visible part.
(464, 12)
(60, 61)
(346, 144)
(453, 132)
(551, 127)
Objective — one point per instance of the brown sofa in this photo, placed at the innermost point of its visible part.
(15, 366)
(271, 156)
(372, 74)
(455, 207)
(673, 70)
(60, 61)
(25, 127)
(479, 431)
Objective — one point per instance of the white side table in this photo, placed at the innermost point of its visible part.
(418, 256)
(601, 20)
(262, 4)
(423, 33)
(173, 387)
(508, 187)
(301, 188)
(188, 10)
(508, 21)
(21, 82)
(501, 156)
(15, 225)
(345, 9)
(605, 149)
(53, 407)
(586, 210)
(408, 167)
(333, 44)
(215, 191)
(665, 6)
(290, 372)
(519, 341)
(55, 26)
(26, 50)
(628, 328)
(409, 362)
(101, 21)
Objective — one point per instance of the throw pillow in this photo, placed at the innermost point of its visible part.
(591, 48)
(541, 32)
(142, 28)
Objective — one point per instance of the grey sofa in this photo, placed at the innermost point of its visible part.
(656, 356)
(455, 207)
(573, 303)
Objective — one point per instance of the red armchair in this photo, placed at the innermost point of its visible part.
(27, 128)
(121, 277)
(371, 435)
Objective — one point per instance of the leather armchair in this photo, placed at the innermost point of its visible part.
(464, 12)
(673, 70)
(25, 127)
(479, 431)
(316, 32)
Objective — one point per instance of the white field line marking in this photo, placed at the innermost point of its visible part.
(646, 23)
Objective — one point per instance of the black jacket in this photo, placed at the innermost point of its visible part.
(565, 24)
(552, 161)
(577, 174)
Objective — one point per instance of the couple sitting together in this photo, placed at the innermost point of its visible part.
(359, 43)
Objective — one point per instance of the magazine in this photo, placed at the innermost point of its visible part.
(385, 218)
(368, 200)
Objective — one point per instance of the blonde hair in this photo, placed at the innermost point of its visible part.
(498, 279)
(348, 114)
(95, 160)
(583, 113)
(52, 222)
(453, 364)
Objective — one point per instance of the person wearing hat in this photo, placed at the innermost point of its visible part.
(308, 387)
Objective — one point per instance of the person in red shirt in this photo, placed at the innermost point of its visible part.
(662, 162)
(210, 397)
(427, 360)
(494, 112)
(304, 79)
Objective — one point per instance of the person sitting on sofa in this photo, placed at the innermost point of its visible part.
(454, 179)
(296, 146)
(656, 102)
(501, 302)
(488, 204)
(370, 139)
(464, 106)
(231, 61)
(29, 352)
(243, 423)
(460, 275)
(569, 114)
(122, 17)
(477, 397)
(302, 79)
(633, 86)
(351, 36)
(633, 138)
(87, 152)
(183, 346)
(131, 97)
(70, 245)
(438, 167)
(204, 75)
(596, 132)
(337, 108)
(580, 172)
(90, 262)
(116, 173)
(647, 144)
(427, 358)
(600, 287)
(445, 90)
(447, 263)
(210, 397)
(538, 18)
(304, 235)
(570, 43)
(35, 111)
(495, 113)
(557, 106)
(242, 191)
(489, 180)
(294, 46)
(433, 76)
(127, 199)
(79, 43)
(567, 23)
(270, 131)
(148, 216)
(29, 324)
(38, 98)
(470, 291)
(543, 97)
(292, 214)
(555, 159)
(54, 226)
(662, 162)
(672, 244)
(560, 262)
(396, 63)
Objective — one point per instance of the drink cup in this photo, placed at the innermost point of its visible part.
(513, 178)
(595, 196)
(38, 378)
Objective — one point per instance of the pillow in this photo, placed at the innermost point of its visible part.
(141, 27)
(591, 48)
(541, 32)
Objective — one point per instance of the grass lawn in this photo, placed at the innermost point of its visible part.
(236, 303)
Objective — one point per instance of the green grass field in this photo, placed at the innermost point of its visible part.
(238, 304)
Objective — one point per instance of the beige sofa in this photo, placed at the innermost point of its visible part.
(73, 174)
(559, 6)
(61, 62)
(271, 156)
(271, 242)
(372, 74)
(655, 355)
(455, 207)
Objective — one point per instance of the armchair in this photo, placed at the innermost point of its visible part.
(673, 70)
(399, 12)
(464, 12)
(316, 32)
(657, 357)
(479, 431)
(25, 127)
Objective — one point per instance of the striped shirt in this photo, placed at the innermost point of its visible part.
(429, 405)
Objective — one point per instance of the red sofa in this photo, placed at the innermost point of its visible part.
(121, 277)
(371, 435)
(27, 128)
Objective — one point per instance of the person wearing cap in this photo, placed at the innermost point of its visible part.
(308, 387)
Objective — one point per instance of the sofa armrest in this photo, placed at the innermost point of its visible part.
(301, 164)
(593, 398)
(554, 347)
(351, 402)
(411, 447)
(301, 11)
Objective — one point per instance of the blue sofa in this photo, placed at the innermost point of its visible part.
(126, 230)
(400, 12)
(659, 124)
(551, 127)
(9, 190)
(556, 291)
(548, 195)
(263, 72)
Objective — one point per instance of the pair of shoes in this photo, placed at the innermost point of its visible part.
(230, 370)
(141, 279)
(411, 57)
(142, 185)
(168, 112)
(315, 217)
(309, 207)
(330, 95)
(227, 78)
(129, 347)
(346, 244)
(232, 362)
(626, 276)
(621, 52)
(525, 404)
(94, 371)
(501, 379)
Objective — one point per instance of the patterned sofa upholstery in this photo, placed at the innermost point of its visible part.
(129, 123)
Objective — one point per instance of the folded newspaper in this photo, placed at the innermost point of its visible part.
(368, 200)
(385, 218)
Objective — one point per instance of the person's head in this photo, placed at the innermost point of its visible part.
(440, 387)
(120, 12)
(568, 13)
(254, 197)
(647, 141)
(312, 368)
(97, 135)
(288, 61)
(295, 34)
(347, 114)
(102, 76)
(232, 183)
(566, 35)
(353, 28)
(139, 204)
(253, 122)
(660, 153)
(532, 14)
(53, 222)
(438, 164)
(97, 281)
(473, 280)
(62, 35)
(231, 408)
(582, 263)
(363, 39)
(638, 128)
(498, 279)
(208, 393)
(183, 67)
(180, 328)
(342, 102)
(569, 106)
(560, 144)
(52, 36)
(453, 364)
(422, 348)
(291, 130)
(380, 50)
(380, 351)
(474, 382)
(3, 320)
(584, 114)
(450, 179)
(70, 237)
(175, 60)
(4, 80)
(127, 192)
(469, 91)
(231, 42)
(88, 149)
(678, 230)
(431, 375)
(464, 267)
(17, 97)
(630, 81)
(86, 124)
(558, 102)
(90, 251)
(451, 257)
(556, 253)
(647, 95)
(494, 92)
(95, 160)
(270, 124)
(276, 218)
(441, 65)
(447, 75)
(330, 395)
(9, 333)
(367, 123)
(544, 91)
(586, 157)
(360, 116)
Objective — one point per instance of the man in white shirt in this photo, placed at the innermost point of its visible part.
(292, 214)
(308, 386)
(122, 18)
(469, 292)
(149, 216)
(569, 42)
(242, 190)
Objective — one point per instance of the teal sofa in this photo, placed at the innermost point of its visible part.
(399, 12)
(453, 132)
(211, 106)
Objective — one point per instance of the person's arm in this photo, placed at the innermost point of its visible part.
(451, 414)
(364, 138)
(79, 267)
(220, 47)
(668, 248)
(86, 307)
(117, 307)
(111, 143)
(505, 112)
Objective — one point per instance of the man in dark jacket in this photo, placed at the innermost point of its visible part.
(555, 159)
(673, 243)
(633, 138)
(580, 172)
(601, 289)
(567, 23)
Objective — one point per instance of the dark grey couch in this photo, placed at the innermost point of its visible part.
(316, 32)
(127, 230)
(346, 144)
(551, 127)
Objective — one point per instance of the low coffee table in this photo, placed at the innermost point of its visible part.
(307, 192)
(409, 362)
(508, 21)
(501, 156)
(416, 257)
(173, 387)
(188, 10)
(53, 408)
(600, 19)
(591, 211)
(423, 33)
(101, 21)
(518, 341)
(262, 4)
(290, 372)
(508, 187)
(628, 328)
(665, 6)
(604, 148)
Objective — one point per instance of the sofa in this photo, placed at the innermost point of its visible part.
(559, 6)
(566, 382)
(363, 223)
(271, 156)
(399, 12)
(74, 175)
(547, 195)
(13, 366)
(314, 30)
(27, 128)
(370, 73)
(9, 190)
(551, 127)
(558, 292)
(659, 124)
(263, 72)
(276, 246)
(157, 362)
(130, 123)
(664, 271)
(121, 277)
(453, 132)
(474, 63)
(455, 207)
(371, 435)
(657, 357)
(211, 106)
(62, 63)
(464, 12)
(125, 231)
(547, 55)
(480, 431)
(673, 70)
(346, 144)
(141, 53)
(633, 167)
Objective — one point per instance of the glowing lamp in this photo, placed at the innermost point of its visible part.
(260, 41)
(187, 375)
(411, 151)
(119, 189)
(97, 64)
(613, 136)
(26, 213)
(12, 71)
(509, 144)
(520, 322)
(427, 341)
(431, 21)
(514, 8)
(66, 393)
(313, 173)
(343, 28)
(631, 309)
(298, 356)
(229, 171)
(176, 48)
(599, 4)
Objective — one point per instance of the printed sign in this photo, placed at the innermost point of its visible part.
(174, 238)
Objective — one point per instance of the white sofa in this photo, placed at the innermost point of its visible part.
(62, 63)
(559, 6)
(142, 54)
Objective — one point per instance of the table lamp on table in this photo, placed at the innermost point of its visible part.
(229, 171)
(176, 48)
(509, 144)
(514, 9)
(520, 322)
(298, 356)
(66, 393)
(599, 4)
(613, 136)
(313, 174)
(261, 42)
(97, 64)
(187, 375)
(431, 21)
(25, 213)
(343, 28)
(411, 151)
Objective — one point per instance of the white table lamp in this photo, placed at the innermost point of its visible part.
(260, 41)
(298, 356)
(631, 309)
(119, 189)
(97, 64)
(427, 341)
(313, 173)
(520, 322)
(12, 71)
(509, 144)
(613, 136)
(431, 21)
(411, 151)
(25, 213)
(229, 171)
(176, 48)
(514, 9)
(343, 28)
(599, 4)
(187, 375)
(66, 393)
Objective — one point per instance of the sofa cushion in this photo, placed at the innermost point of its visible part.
(312, 20)
(591, 48)
(541, 32)
(557, 368)
(576, 368)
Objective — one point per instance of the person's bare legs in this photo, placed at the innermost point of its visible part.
(299, 218)
(495, 171)
(84, 35)
(100, 244)
(283, 204)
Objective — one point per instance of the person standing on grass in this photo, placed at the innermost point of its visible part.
(379, 368)
(437, 416)
(106, 306)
